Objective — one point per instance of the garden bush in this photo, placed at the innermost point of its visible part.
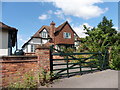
(42, 78)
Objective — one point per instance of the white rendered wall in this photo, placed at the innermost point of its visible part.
(35, 41)
(3, 42)
(44, 41)
(4, 39)
(29, 48)
(3, 52)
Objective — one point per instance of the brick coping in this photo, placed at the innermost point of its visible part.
(16, 56)
(18, 61)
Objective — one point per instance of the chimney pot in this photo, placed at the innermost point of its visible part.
(52, 23)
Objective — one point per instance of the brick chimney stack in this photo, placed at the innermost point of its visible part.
(52, 29)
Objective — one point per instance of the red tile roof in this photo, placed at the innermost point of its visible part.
(48, 29)
(60, 27)
(57, 29)
(43, 27)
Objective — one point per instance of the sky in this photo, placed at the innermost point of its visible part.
(28, 17)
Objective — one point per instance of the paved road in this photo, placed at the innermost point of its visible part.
(101, 79)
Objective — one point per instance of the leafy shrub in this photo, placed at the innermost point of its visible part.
(32, 81)
(115, 63)
(45, 77)
(28, 81)
(115, 58)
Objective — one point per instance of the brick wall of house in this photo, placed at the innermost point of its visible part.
(15, 67)
(59, 39)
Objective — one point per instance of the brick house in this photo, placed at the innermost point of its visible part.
(62, 35)
(8, 39)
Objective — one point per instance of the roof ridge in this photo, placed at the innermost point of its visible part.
(62, 23)
(44, 26)
(61, 26)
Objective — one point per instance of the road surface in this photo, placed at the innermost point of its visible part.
(100, 79)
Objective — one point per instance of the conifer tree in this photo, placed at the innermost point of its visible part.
(101, 37)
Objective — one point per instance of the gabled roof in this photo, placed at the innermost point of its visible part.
(57, 29)
(60, 27)
(43, 27)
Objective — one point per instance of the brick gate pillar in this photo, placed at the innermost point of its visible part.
(43, 53)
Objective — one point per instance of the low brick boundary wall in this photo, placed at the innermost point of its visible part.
(30, 54)
(14, 67)
(17, 66)
(18, 57)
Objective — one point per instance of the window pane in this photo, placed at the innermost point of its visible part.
(67, 35)
(32, 48)
(44, 34)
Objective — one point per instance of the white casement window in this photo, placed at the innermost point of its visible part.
(32, 48)
(67, 35)
(44, 34)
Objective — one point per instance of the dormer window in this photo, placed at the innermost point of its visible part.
(67, 35)
(44, 34)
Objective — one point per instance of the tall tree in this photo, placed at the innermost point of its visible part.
(107, 26)
(102, 37)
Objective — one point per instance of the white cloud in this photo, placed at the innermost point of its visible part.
(79, 8)
(80, 30)
(59, 14)
(43, 17)
(50, 12)
(69, 19)
(46, 16)
(116, 28)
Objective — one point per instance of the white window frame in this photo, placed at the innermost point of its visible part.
(44, 34)
(65, 35)
(32, 48)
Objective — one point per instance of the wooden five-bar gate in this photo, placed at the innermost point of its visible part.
(76, 63)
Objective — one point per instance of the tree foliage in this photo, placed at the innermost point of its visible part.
(101, 37)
